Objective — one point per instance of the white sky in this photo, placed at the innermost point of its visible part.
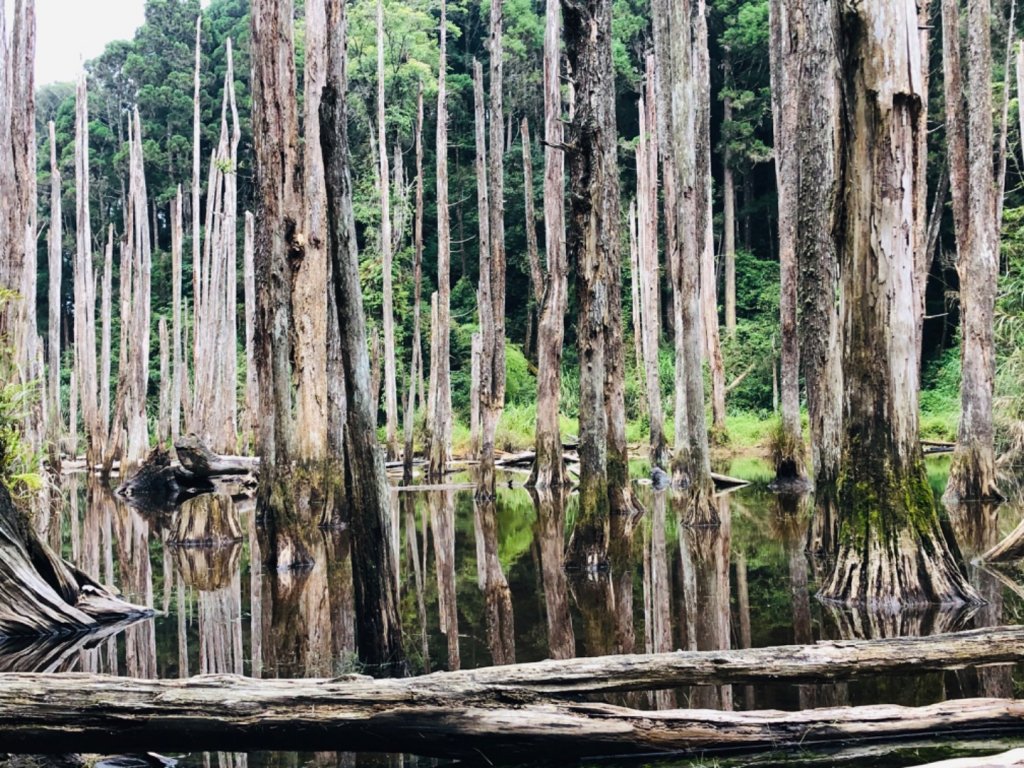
(69, 32)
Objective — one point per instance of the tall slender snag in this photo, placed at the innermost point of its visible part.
(54, 425)
(548, 467)
(416, 363)
(365, 486)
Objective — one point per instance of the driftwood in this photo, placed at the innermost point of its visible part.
(40, 594)
(74, 713)
(196, 458)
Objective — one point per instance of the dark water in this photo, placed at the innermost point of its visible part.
(484, 585)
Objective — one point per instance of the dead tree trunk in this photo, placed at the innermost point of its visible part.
(647, 261)
(390, 383)
(84, 292)
(364, 487)
(728, 208)
(970, 134)
(680, 38)
(177, 235)
(249, 277)
(55, 266)
(820, 331)
(309, 299)
(549, 469)
(416, 363)
(106, 310)
(532, 251)
(439, 411)
(592, 234)
(492, 361)
(785, 72)
(163, 429)
(892, 549)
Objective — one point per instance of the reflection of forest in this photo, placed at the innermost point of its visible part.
(483, 582)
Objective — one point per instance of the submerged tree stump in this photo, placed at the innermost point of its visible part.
(208, 520)
(40, 594)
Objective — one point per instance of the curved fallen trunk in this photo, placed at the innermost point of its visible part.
(75, 713)
(40, 594)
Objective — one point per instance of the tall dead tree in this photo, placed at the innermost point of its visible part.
(106, 312)
(892, 549)
(492, 277)
(785, 64)
(196, 161)
(177, 233)
(84, 290)
(548, 467)
(249, 279)
(56, 261)
(648, 276)
(214, 409)
(439, 409)
(364, 487)
(386, 253)
(485, 341)
(680, 36)
(593, 245)
(532, 250)
(817, 199)
(728, 205)
(416, 363)
(969, 135)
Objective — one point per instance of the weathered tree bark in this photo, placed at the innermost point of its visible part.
(416, 361)
(439, 411)
(308, 296)
(532, 250)
(819, 326)
(249, 277)
(364, 488)
(84, 292)
(196, 241)
(106, 310)
(784, 42)
(163, 428)
(680, 42)
(969, 136)
(482, 385)
(278, 216)
(177, 354)
(649, 277)
(728, 207)
(635, 273)
(55, 267)
(549, 469)
(44, 595)
(390, 384)
(892, 550)
(593, 244)
(475, 355)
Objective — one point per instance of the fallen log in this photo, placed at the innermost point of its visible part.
(84, 713)
(1008, 758)
(199, 460)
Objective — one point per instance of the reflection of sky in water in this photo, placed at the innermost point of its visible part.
(492, 577)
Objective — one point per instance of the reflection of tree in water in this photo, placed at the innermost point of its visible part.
(657, 590)
(976, 528)
(132, 532)
(551, 505)
(704, 561)
(492, 582)
(417, 567)
(442, 520)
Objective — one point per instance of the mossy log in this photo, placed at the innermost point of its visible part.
(75, 713)
(40, 594)
(208, 520)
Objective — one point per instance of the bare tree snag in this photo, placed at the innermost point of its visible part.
(439, 412)
(549, 469)
(592, 231)
(892, 549)
(163, 429)
(970, 138)
(386, 253)
(680, 39)
(249, 277)
(416, 363)
(55, 268)
(785, 73)
(364, 487)
(816, 254)
(648, 277)
(532, 252)
(106, 312)
(196, 242)
(84, 292)
(728, 206)
(177, 235)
